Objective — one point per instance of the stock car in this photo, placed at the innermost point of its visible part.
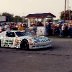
(23, 40)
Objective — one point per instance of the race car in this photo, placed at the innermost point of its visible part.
(23, 40)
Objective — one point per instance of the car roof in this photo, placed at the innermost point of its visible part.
(4, 32)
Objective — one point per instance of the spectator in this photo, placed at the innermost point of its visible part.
(48, 29)
(62, 28)
(57, 32)
(20, 27)
(70, 31)
(65, 31)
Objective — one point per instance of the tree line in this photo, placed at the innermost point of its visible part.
(12, 18)
(65, 15)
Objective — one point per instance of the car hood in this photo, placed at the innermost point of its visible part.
(36, 38)
(41, 39)
(25, 37)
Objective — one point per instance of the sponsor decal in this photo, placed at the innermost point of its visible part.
(8, 42)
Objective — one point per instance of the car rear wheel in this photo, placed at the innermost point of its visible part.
(24, 44)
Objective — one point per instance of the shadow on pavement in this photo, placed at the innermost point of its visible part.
(15, 49)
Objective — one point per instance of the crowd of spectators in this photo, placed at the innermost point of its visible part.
(11, 26)
(61, 30)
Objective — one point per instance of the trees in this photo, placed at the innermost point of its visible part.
(11, 17)
(66, 15)
(17, 19)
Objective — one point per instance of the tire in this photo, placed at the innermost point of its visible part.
(24, 44)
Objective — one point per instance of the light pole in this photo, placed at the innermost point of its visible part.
(65, 11)
(65, 4)
(69, 14)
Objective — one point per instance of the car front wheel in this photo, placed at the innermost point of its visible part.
(24, 44)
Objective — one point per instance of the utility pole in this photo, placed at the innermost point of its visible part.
(69, 14)
(69, 8)
(65, 11)
(65, 4)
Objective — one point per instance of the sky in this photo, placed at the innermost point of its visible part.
(25, 7)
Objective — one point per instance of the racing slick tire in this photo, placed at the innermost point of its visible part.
(24, 44)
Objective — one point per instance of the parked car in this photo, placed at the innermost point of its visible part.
(23, 40)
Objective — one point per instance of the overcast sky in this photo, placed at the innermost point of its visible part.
(24, 7)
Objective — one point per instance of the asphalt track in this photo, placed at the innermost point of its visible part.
(56, 59)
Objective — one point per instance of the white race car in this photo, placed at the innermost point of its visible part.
(23, 40)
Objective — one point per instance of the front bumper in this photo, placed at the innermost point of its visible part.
(41, 45)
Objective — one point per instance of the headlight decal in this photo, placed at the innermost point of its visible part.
(17, 41)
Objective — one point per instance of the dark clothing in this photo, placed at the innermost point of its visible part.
(70, 31)
(65, 31)
(49, 30)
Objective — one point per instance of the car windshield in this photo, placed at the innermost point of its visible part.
(20, 34)
(28, 34)
(23, 34)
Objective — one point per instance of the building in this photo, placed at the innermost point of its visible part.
(2, 18)
(39, 18)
